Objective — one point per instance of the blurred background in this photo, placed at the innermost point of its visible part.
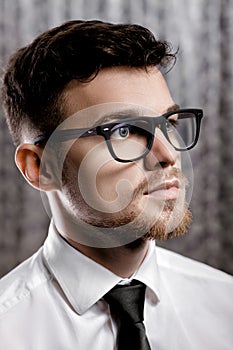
(202, 77)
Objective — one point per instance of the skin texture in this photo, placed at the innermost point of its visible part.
(146, 183)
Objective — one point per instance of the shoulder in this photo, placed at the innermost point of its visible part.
(19, 285)
(201, 297)
(195, 284)
(180, 265)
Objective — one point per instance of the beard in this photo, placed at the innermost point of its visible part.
(173, 220)
(160, 231)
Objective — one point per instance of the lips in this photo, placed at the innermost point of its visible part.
(168, 189)
(164, 185)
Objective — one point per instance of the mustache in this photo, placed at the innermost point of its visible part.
(159, 176)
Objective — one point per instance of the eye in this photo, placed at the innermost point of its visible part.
(171, 124)
(121, 131)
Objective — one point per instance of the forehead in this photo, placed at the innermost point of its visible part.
(103, 113)
(119, 85)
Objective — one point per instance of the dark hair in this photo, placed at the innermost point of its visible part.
(37, 74)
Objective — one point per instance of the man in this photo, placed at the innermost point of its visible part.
(99, 134)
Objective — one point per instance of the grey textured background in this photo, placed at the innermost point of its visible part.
(202, 77)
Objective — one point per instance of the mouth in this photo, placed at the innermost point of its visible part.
(166, 190)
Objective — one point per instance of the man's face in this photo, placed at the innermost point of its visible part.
(146, 195)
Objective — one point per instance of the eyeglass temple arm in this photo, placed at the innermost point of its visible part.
(65, 135)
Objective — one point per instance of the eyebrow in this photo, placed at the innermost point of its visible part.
(124, 114)
(172, 108)
(116, 115)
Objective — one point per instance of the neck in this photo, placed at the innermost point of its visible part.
(123, 261)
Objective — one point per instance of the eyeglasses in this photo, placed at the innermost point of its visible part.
(129, 139)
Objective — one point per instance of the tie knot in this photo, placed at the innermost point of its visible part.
(127, 301)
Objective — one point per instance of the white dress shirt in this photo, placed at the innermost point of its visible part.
(53, 301)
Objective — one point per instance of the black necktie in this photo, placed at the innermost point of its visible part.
(126, 304)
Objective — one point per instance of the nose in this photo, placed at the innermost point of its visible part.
(162, 153)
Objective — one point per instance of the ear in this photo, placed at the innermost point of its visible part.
(28, 160)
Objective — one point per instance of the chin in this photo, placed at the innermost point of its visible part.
(174, 226)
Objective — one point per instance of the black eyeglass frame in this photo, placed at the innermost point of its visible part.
(105, 131)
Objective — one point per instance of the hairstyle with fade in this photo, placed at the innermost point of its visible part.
(38, 73)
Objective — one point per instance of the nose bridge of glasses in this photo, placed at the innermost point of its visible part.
(161, 152)
(161, 139)
(158, 129)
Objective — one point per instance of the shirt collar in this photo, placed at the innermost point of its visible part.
(83, 280)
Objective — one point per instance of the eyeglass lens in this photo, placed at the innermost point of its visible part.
(182, 130)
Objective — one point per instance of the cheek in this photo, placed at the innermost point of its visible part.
(96, 168)
(104, 184)
(86, 148)
(116, 180)
(178, 160)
